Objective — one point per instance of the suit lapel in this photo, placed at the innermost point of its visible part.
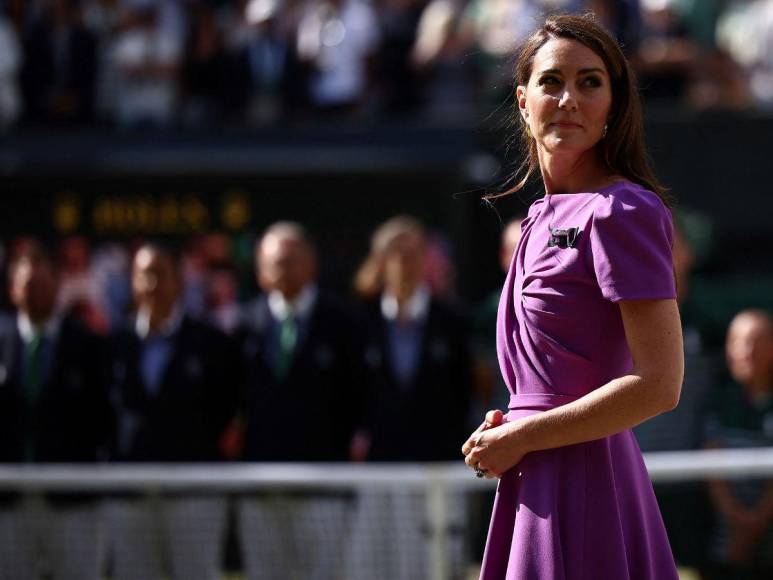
(12, 357)
(307, 337)
(131, 358)
(256, 346)
(175, 362)
(51, 359)
(424, 364)
(386, 349)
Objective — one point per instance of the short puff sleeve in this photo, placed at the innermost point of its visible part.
(631, 245)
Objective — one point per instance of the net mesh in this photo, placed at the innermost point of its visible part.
(283, 522)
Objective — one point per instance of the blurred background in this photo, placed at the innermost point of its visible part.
(250, 137)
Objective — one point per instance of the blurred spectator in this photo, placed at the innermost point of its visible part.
(745, 31)
(53, 408)
(400, 85)
(438, 56)
(18, 13)
(194, 271)
(79, 292)
(110, 275)
(339, 38)
(103, 18)
(273, 82)
(666, 53)
(302, 382)
(417, 351)
(203, 63)
(419, 381)
(439, 268)
(700, 17)
(222, 297)
(200, 255)
(495, 28)
(205, 74)
(145, 58)
(741, 415)
(59, 72)
(10, 63)
(174, 385)
(622, 18)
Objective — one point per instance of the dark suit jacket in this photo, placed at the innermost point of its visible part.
(243, 82)
(195, 401)
(312, 413)
(426, 420)
(39, 79)
(72, 419)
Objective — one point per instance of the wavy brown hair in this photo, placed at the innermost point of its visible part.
(622, 150)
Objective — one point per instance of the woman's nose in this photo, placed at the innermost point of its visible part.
(567, 101)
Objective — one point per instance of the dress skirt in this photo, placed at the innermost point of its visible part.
(581, 512)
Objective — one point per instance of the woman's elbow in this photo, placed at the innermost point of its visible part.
(673, 400)
(670, 389)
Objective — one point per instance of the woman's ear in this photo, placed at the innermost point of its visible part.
(520, 95)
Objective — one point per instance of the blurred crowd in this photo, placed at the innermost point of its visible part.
(145, 352)
(235, 63)
(103, 358)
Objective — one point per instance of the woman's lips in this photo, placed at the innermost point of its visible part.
(567, 125)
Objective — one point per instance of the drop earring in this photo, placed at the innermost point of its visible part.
(604, 132)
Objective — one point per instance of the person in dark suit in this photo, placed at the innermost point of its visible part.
(54, 407)
(419, 382)
(60, 65)
(303, 400)
(268, 81)
(417, 352)
(175, 384)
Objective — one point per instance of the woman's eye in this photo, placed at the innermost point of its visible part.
(549, 80)
(592, 82)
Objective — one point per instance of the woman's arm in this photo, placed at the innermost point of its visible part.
(654, 335)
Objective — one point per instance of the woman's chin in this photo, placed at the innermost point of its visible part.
(566, 144)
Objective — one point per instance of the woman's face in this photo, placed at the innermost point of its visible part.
(567, 100)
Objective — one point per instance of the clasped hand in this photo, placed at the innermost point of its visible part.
(494, 447)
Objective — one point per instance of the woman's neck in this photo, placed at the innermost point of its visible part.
(569, 173)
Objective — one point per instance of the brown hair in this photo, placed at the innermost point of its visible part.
(369, 279)
(622, 150)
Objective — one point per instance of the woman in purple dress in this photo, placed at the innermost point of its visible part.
(588, 332)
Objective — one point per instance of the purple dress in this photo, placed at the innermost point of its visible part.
(584, 511)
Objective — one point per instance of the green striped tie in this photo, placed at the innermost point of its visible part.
(33, 377)
(33, 367)
(288, 336)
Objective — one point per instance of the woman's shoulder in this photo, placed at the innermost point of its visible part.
(625, 199)
(627, 194)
